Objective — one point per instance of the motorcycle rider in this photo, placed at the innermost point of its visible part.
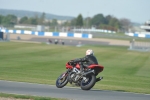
(86, 61)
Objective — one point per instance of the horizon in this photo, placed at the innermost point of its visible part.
(134, 10)
(62, 15)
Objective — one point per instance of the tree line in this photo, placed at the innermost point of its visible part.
(98, 21)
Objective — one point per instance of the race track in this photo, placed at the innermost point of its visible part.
(66, 92)
(70, 40)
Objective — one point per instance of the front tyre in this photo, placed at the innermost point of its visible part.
(61, 81)
(88, 82)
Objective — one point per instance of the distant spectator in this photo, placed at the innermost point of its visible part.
(56, 41)
(132, 43)
(18, 38)
(50, 41)
(63, 43)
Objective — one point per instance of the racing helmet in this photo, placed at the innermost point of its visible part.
(89, 52)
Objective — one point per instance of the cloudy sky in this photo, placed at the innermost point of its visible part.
(135, 10)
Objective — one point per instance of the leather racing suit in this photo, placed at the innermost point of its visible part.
(86, 61)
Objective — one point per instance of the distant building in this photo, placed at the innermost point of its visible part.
(146, 27)
(32, 27)
(25, 26)
(61, 21)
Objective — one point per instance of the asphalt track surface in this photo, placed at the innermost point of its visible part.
(66, 92)
(70, 41)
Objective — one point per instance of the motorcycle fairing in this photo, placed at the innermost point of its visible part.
(98, 68)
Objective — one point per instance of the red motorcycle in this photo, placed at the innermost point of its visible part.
(86, 80)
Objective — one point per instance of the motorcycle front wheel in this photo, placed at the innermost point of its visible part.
(62, 80)
(88, 82)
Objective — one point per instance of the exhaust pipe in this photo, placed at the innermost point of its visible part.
(89, 72)
(98, 79)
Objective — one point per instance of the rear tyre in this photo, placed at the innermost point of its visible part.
(61, 81)
(88, 82)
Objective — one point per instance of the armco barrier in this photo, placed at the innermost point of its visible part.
(146, 35)
(60, 34)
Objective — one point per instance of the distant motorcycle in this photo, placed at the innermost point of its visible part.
(86, 80)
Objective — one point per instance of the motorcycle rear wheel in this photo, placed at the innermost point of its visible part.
(61, 81)
(89, 82)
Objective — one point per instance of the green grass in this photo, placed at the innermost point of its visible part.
(124, 70)
(27, 97)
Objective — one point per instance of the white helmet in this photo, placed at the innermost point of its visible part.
(89, 52)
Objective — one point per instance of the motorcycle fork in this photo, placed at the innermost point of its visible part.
(64, 74)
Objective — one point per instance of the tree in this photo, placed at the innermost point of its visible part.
(1, 18)
(54, 22)
(9, 20)
(98, 19)
(32, 21)
(42, 18)
(114, 22)
(73, 22)
(79, 20)
(48, 23)
(23, 20)
(125, 23)
(67, 23)
(108, 18)
(36, 18)
(87, 22)
(13, 19)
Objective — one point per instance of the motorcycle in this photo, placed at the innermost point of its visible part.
(86, 80)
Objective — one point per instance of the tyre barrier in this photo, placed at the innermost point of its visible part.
(59, 34)
(143, 35)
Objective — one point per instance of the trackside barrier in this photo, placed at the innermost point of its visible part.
(60, 34)
(139, 46)
(139, 34)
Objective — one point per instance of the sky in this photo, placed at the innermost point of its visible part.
(134, 10)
